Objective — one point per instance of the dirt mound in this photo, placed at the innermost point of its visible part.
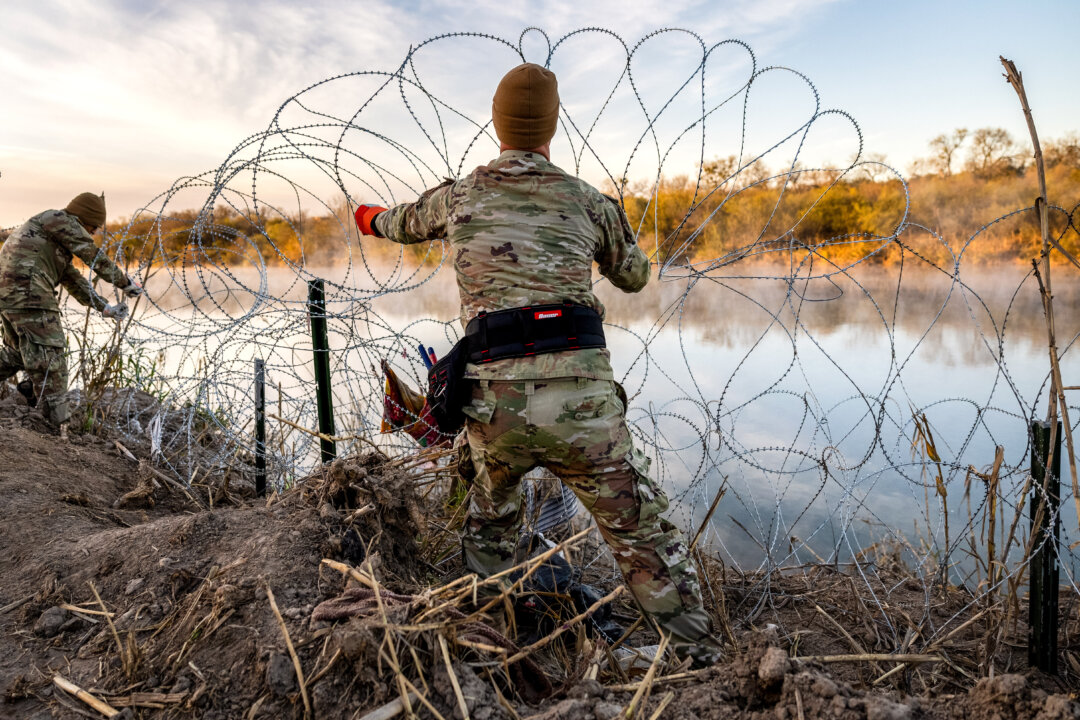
(186, 588)
(163, 602)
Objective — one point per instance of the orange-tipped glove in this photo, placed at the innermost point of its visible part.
(365, 219)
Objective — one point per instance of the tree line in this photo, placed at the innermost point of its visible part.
(727, 210)
(842, 214)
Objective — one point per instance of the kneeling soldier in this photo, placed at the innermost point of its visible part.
(34, 260)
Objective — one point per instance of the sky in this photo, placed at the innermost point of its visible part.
(127, 96)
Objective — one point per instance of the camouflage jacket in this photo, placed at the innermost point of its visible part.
(37, 257)
(524, 232)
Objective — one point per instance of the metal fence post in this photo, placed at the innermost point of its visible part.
(320, 344)
(1045, 529)
(260, 428)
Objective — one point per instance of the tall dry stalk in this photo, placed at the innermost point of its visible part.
(1056, 401)
(924, 442)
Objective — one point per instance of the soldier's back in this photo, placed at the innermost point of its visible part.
(31, 263)
(522, 235)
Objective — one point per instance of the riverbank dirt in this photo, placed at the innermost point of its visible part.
(192, 631)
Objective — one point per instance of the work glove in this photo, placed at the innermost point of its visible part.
(119, 311)
(132, 289)
(365, 219)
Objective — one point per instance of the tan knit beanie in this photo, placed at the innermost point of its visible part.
(89, 208)
(525, 109)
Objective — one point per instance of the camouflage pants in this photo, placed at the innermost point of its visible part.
(33, 341)
(576, 428)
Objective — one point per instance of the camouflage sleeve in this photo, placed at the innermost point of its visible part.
(66, 230)
(418, 221)
(620, 259)
(80, 289)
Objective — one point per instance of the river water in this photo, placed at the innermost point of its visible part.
(799, 397)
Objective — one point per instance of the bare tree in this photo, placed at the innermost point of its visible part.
(993, 152)
(754, 173)
(944, 148)
(1064, 151)
(718, 171)
(872, 168)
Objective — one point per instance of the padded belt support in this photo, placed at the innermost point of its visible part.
(533, 330)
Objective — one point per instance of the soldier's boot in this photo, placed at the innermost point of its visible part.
(26, 389)
(690, 637)
(56, 410)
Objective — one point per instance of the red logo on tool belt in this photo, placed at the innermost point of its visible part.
(546, 314)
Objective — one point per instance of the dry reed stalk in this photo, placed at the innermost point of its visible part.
(798, 704)
(292, 651)
(409, 461)
(453, 678)
(72, 689)
(172, 483)
(125, 662)
(125, 452)
(855, 645)
(647, 681)
(613, 663)
(872, 658)
(925, 435)
(352, 572)
(550, 637)
(432, 540)
(413, 690)
(664, 702)
(992, 483)
(498, 694)
(323, 436)
(16, 604)
(629, 631)
(484, 647)
(899, 667)
(662, 680)
(87, 611)
(708, 516)
(1057, 394)
(1013, 596)
(941, 641)
(531, 565)
(153, 700)
(384, 712)
(388, 640)
(319, 675)
(419, 666)
(359, 513)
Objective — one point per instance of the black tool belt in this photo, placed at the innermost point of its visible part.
(517, 332)
(534, 330)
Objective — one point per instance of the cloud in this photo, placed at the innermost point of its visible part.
(163, 89)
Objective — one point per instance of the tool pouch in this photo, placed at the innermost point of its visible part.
(448, 390)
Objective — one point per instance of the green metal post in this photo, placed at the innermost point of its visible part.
(320, 344)
(1044, 569)
(260, 428)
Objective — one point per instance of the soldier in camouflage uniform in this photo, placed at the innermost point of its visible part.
(34, 260)
(523, 232)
